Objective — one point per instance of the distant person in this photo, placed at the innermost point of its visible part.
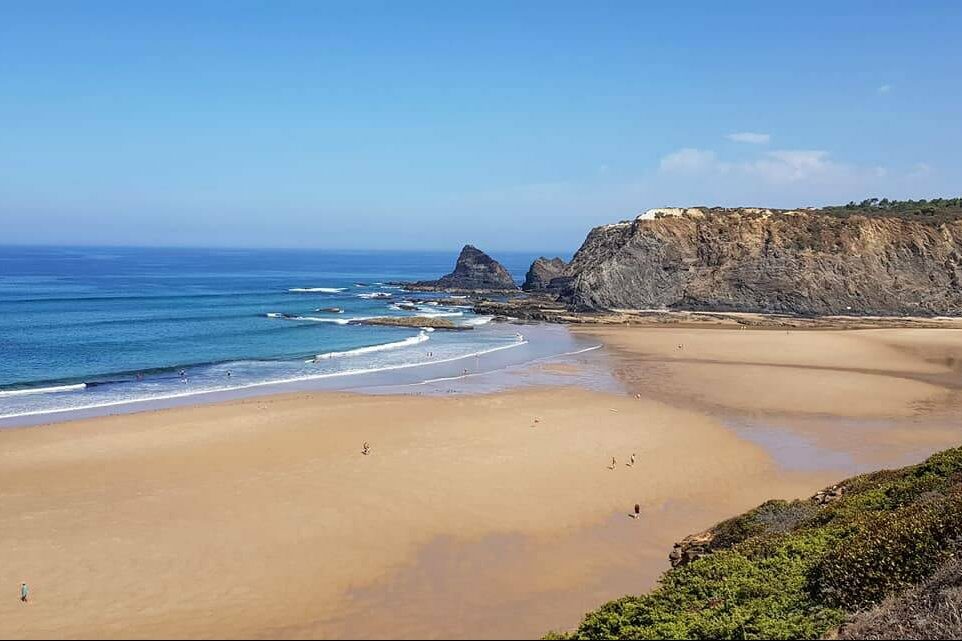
(631, 461)
(637, 513)
(614, 463)
(366, 448)
(228, 373)
(24, 592)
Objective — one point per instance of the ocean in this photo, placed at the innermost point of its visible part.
(87, 329)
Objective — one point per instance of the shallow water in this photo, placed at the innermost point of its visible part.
(83, 330)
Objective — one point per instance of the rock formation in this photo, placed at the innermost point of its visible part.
(808, 262)
(474, 271)
(545, 274)
(421, 322)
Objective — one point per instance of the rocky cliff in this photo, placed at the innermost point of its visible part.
(545, 274)
(810, 262)
(474, 271)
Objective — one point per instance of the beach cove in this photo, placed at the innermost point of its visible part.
(488, 514)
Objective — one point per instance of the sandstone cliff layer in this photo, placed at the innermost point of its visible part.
(776, 261)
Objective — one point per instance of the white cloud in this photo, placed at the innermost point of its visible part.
(688, 160)
(884, 89)
(781, 167)
(792, 165)
(750, 138)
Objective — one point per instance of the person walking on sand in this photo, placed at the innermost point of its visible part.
(366, 448)
(631, 461)
(614, 463)
(637, 513)
(24, 592)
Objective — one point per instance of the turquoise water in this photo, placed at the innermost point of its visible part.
(96, 327)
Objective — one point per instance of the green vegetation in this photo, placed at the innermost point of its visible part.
(789, 570)
(935, 211)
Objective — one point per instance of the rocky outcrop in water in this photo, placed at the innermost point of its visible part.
(474, 271)
(545, 274)
(806, 262)
(422, 322)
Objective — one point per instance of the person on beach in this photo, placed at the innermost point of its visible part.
(366, 448)
(631, 461)
(24, 592)
(614, 463)
(637, 513)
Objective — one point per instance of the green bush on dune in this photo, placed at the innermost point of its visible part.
(797, 569)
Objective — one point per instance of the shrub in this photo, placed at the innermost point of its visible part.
(931, 611)
(889, 552)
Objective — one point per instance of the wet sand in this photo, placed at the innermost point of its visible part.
(474, 516)
(874, 398)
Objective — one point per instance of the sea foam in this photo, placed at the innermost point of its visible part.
(44, 390)
(407, 342)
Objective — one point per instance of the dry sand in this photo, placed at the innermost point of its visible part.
(474, 516)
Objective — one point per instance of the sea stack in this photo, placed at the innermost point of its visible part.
(476, 271)
(545, 274)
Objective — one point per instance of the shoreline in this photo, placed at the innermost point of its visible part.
(488, 514)
(537, 344)
(579, 323)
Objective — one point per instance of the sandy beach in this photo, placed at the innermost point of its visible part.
(474, 515)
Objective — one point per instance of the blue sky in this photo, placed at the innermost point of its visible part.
(512, 125)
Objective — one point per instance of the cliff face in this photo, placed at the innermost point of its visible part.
(541, 274)
(475, 270)
(801, 262)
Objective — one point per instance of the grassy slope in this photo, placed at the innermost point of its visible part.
(797, 569)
